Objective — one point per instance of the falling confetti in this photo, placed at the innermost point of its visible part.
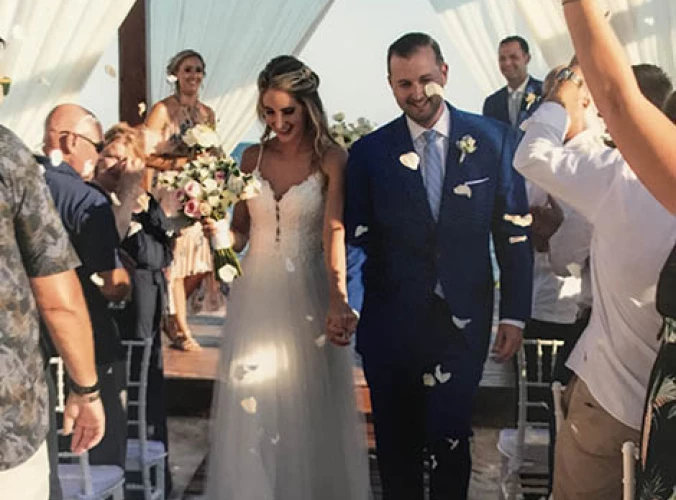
(115, 200)
(519, 220)
(56, 157)
(320, 341)
(460, 323)
(433, 459)
(250, 405)
(172, 79)
(275, 439)
(142, 107)
(410, 160)
(360, 231)
(433, 88)
(441, 377)
(428, 380)
(110, 71)
(289, 266)
(453, 442)
(463, 190)
(513, 240)
(309, 318)
(96, 279)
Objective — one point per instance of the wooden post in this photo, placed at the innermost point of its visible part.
(132, 54)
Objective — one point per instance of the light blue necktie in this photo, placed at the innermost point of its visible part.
(434, 173)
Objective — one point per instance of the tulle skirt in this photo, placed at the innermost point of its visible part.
(286, 425)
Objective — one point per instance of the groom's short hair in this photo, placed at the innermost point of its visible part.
(518, 39)
(410, 43)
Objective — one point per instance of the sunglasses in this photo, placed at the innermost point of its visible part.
(97, 145)
(569, 74)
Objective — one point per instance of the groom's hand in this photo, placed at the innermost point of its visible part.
(507, 341)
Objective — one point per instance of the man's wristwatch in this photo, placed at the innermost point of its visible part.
(84, 390)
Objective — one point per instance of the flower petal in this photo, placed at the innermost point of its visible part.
(433, 88)
(410, 160)
(142, 108)
(289, 265)
(441, 376)
(360, 230)
(453, 443)
(460, 323)
(56, 157)
(110, 71)
(96, 279)
(513, 240)
(519, 220)
(250, 405)
(428, 380)
(463, 190)
(320, 341)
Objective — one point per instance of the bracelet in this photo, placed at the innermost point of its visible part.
(84, 391)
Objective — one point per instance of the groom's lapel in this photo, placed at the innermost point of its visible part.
(453, 175)
(400, 144)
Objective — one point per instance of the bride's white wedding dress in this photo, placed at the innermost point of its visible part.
(286, 425)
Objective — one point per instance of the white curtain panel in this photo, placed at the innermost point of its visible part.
(476, 27)
(646, 28)
(236, 38)
(52, 47)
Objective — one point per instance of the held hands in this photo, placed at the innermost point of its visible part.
(84, 417)
(546, 221)
(507, 342)
(341, 322)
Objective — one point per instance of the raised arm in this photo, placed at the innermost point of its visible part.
(639, 129)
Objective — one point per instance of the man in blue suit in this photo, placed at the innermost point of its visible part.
(516, 101)
(424, 194)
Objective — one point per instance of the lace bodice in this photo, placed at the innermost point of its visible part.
(292, 226)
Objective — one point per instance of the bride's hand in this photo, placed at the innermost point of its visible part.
(341, 322)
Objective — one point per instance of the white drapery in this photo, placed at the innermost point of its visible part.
(646, 28)
(476, 28)
(52, 47)
(236, 39)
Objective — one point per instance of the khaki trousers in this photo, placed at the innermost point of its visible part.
(588, 455)
(28, 481)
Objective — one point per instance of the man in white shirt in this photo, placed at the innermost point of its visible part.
(632, 236)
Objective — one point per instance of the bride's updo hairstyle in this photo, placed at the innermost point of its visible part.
(175, 63)
(290, 75)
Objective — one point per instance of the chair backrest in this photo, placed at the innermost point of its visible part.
(138, 364)
(536, 361)
(59, 375)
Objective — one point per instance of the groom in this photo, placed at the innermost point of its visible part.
(424, 194)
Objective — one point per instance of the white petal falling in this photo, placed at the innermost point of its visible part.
(275, 440)
(250, 405)
(441, 376)
(56, 157)
(361, 230)
(433, 460)
(453, 443)
(289, 266)
(309, 318)
(320, 341)
(513, 240)
(142, 107)
(115, 200)
(110, 71)
(96, 279)
(410, 160)
(433, 88)
(463, 190)
(429, 380)
(461, 323)
(519, 220)
(172, 79)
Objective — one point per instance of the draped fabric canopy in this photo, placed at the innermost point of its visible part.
(52, 47)
(646, 28)
(236, 39)
(476, 27)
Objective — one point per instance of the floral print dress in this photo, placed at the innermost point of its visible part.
(657, 464)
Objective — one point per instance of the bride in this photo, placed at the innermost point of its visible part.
(286, 425)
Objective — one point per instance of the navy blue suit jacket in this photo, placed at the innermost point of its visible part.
(496, 106)
(397, 252)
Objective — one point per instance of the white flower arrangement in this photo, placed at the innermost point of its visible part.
(467, 145)
(346, 134)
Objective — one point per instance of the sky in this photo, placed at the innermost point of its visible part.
(348, 52)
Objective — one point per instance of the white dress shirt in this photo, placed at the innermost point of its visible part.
(631, 239)
(443, 129)
(515, 100)
(555, 298)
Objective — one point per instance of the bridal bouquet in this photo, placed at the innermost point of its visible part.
(208, 186)
(346, 134)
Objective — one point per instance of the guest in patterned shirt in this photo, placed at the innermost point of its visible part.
(36, 274)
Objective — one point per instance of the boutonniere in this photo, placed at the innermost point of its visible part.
(410, 160)
(467, 146)
(530, 99)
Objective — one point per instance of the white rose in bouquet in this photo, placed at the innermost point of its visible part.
(201, 136)
(210, 186)
(193, 189)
